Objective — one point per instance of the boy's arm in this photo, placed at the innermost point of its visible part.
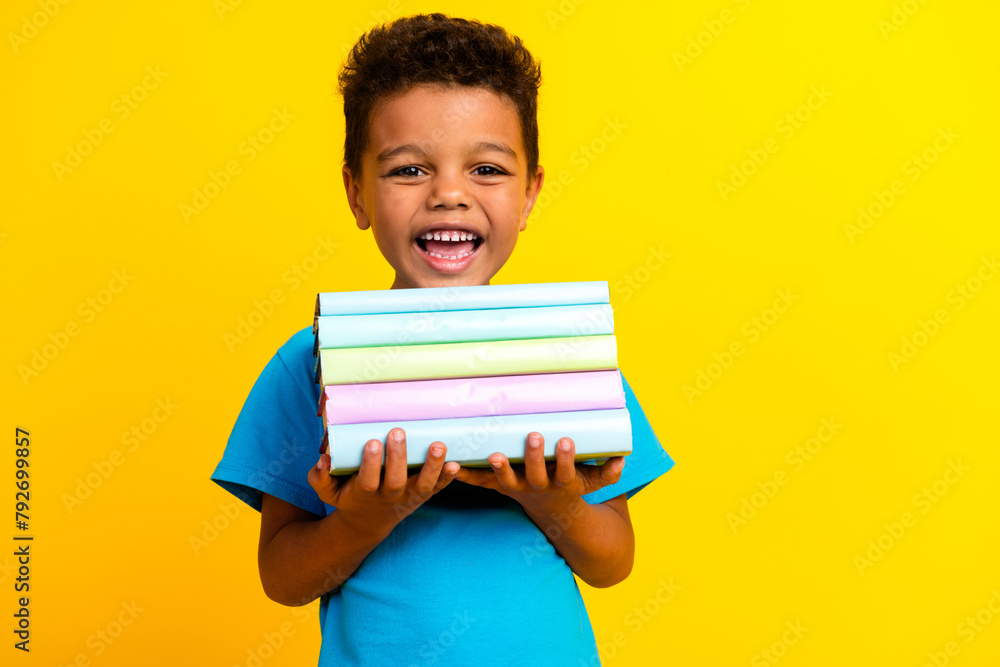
(302, 556)
(291, 541)
(596, 541)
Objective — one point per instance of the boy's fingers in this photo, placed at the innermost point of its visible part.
(484, 478)
(504, 472)
(431, 470)
(565, 461)
(371, 467)
(395, 461)
(534, 462)
(448, 473)
(609, 472)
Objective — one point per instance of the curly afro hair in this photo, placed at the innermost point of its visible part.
(436, 49)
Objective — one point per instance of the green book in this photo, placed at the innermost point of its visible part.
(476, 359)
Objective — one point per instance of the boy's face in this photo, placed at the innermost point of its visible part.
(444, 185)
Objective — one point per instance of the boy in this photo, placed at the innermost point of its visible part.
(446, 564)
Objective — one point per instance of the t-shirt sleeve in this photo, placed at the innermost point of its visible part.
(277, 435)
(647, 461)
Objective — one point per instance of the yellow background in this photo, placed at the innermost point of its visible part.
(663, 133)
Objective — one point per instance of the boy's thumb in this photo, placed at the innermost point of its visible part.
(320, 472)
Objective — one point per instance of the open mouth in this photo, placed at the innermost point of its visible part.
(451, 244)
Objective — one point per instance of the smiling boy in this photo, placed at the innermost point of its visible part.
(445, 177)
(440, 564)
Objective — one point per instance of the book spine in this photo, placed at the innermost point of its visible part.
(450, 360)
(596, 434)
(340, 331)
(467, 297)
(473, 397)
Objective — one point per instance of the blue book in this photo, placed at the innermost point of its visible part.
(597, 434)
(466, 297)
(340, 331)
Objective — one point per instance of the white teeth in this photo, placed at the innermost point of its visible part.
(453, 236)
(451, 257)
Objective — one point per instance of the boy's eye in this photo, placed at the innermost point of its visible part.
(488, 170)
(408, 170)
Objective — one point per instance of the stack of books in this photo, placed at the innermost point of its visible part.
(474, 367)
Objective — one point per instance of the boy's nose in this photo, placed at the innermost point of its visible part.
(449, 191)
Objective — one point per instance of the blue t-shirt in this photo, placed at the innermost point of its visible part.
(467, 578)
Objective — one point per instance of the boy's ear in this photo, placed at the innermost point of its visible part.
(355, 200)
(531, 194)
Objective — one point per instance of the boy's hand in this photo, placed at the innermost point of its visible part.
(541, 486)
(375, 503)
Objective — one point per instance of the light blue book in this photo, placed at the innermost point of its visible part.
(340, 331)
(466, 297)
(597, 434)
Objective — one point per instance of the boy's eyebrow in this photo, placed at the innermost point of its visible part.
(482, 146)
(500, 148)
(390, 153)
